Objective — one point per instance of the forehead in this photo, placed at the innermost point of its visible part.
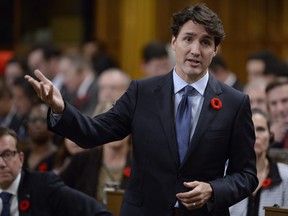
(39, 109)
(7, 142)
(278, 92)
(259, 119)
(194, 29)
(111, 79)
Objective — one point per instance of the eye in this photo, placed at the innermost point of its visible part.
(188, 39)
(206, 43)
(7, 154)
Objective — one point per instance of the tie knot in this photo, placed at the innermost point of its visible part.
(5, 197)
(187, 90)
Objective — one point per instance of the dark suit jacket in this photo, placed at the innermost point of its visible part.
(46, 195)
(147, 111)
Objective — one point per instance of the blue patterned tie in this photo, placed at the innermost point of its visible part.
(183, 123)
(6, 203)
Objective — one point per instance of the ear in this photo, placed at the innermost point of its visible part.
(215, 51)
(173, 41)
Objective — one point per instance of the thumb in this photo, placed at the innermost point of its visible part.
(192, 184)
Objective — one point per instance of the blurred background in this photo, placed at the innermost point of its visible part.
(124, 26)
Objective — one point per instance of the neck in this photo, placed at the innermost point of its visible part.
(115, 156)
(43, 147)
(262, 163)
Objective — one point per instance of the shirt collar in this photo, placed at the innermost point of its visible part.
(179, 83)
(13, 188)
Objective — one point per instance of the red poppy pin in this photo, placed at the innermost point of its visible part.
(216, 103)
(43, 167)
(266, 183)
(24, 205)
(127, 171)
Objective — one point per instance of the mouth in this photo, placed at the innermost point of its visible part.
(193, 62)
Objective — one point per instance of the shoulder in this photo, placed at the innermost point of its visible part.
(283, 170)
(154, 81)
(37, 179)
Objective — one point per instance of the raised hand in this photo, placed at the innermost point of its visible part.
(46, 91)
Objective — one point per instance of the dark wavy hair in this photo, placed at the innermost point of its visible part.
(200, 14)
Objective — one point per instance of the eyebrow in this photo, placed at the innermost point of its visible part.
(206, 36)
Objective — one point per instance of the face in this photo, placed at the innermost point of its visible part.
(194, 49)
(255, 69)
(21, 102)
(111, 87)
(262, 134)
(11, 168)
(12, 71)
(36, 61)
(37, 124)
(70, 76)
(278, 103)
(257, 98)
(157, 66)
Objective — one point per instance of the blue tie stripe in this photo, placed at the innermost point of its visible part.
(183, 123)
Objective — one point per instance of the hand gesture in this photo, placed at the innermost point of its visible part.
(46, 91)
(199, 194)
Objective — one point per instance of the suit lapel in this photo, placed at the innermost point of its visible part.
(207, 114)
(24, 200)
(164, 93)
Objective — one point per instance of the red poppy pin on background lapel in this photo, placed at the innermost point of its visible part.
(266, 183)
(127, 171)
(43, 167)
(24, 205)
(216, 103)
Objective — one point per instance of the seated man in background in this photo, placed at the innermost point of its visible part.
(155, 59)
(220, 70)
(37, 193)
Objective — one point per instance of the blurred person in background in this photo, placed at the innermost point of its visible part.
(15, 67)
(273, 177)
(112, 83)
(277, 99)
(40, 155)
(24, 98)
(46, 57)
(219, 69)
(155, 59)
(80, 83)
(263, 64)
(7, 110)
(257, 95)
(95, 51)
(65, 152)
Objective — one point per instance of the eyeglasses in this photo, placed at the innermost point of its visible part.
(8, 155)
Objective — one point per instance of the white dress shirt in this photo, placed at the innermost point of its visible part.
(12, 189)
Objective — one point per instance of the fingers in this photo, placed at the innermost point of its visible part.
(197, 196)
(42, 87)
(41, 77)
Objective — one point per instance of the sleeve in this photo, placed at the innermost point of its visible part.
(240, 179)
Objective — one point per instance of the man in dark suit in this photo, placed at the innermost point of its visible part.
(35, 193)
(204, 175)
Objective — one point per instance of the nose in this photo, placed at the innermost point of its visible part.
(195, 48)
(2, 162)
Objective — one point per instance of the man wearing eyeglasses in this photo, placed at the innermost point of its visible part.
(34, 193)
